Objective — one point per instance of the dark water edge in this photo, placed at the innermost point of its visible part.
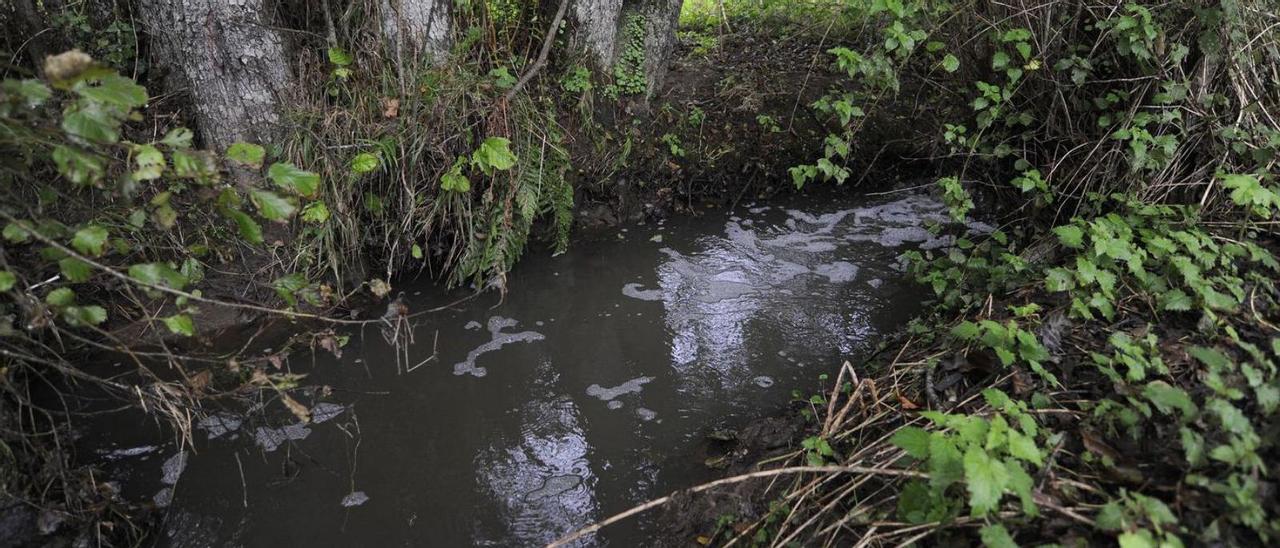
(589, 389)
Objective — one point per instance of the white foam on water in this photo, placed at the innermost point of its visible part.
(270, 439)
(637, 291)
(646, 414)
(354, 498)
(499, 340)
(609, 394)
(838, 272)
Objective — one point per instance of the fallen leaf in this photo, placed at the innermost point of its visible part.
(906, 403)
(390, 107)
(296, 408)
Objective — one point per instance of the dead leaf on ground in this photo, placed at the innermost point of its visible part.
(390, 107)
(296, 408)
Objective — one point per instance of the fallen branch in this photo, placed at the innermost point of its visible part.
(542, 55)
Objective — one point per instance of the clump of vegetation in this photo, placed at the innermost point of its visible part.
(1104, 365)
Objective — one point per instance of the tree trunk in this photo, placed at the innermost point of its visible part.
(600, 30)
(417, 30)
(231, 61)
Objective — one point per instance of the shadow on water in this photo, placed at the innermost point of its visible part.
(588, 391)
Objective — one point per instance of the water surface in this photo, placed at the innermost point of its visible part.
(588, 390)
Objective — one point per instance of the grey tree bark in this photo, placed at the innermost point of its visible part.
(599, 30)
(231, 61)
(417, 30)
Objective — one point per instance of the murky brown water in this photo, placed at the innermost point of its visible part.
(588, 391)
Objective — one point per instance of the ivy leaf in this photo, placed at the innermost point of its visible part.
(364, 163)
(290, 177)
(950, 63)
(913, 440)
(90, 240)
(7, 279)
(180, 324)
(985, 478)
(247, 154)
(75, 270)
(114, 90)
(272, 206)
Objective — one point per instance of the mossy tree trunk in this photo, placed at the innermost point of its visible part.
(603, 30)
(230, 60)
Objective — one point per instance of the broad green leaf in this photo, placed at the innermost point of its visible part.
(454, 180)
(7, 280)
(200, 165)
(114, 90)
(494, 154)
(178, 138)
(247, 154)
(90, 240)
(416, 251)
(339, 57)
(315, 212)
(180, 324)
(288, 287)
(84, 315)
(364, 163)
(996, 536)
(77, 167)
(985, 478)
(1167, 398)
(150, 163)
(1070, 236)
(62, 296)
(965, 330)
(92, 125)
(1217, 361)
(950, 63)
(248, 228)
(272, 206)
(290, 177)
(159, 274)
(75, 270)
(1000, 60)
(1176, 300)
(33, 92)
(15, 234)
(946, 464)
(913, 440)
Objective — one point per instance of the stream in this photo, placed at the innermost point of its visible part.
(590, 389)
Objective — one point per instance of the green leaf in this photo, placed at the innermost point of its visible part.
(247, 154)
(159, 274)
(494, 154)
(84, 315)
(1000, 60)
(966, 331)
(996, 536)
(364, 163)
(75, 270)
(913, 440)
(945, 462)
(950, 63)
(90, 240)
(15, 234)
(76, 166)
(62, 296)
(178, 138)
(416, 251)
(290, 177)
(34, 92)
(114, 90)
(7, 280)
(454, 180)
(287, 287)
(315, 212)
(1217, 361)
(985, 479)
(1176, 300)
(1167, 398)
(272, 206)
(248, 228)
(180, 324)
(93, 125)
(150, 163)
(339, 57)
(1070, 236)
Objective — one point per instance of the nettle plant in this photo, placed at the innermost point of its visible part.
(106, 209)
